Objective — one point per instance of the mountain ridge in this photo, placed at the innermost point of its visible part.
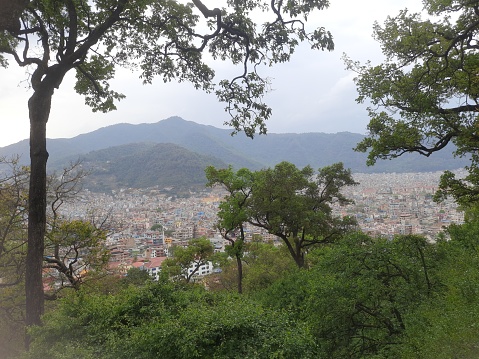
(311, 148)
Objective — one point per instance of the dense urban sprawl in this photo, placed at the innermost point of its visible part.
(384, 205)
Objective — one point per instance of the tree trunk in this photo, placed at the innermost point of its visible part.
(39, 110)
(299, 259)
(239, 263)
(295, 251)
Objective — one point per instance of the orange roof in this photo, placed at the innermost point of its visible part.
(155, 262)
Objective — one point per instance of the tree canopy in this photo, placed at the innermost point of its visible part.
(196, 254)
(296, 205)
(232, 212)
(424, 95)
(169, 321)
(290, 203)
(360, 298)
(160, 38)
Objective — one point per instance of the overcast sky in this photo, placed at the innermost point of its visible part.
(312, 93)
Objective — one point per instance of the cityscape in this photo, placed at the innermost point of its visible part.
(386, 205)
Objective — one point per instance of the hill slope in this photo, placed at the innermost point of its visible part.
(315, 149)
(146, 165)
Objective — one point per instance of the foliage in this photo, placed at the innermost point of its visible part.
(290, 203)
(232, 212)
(239, 151)
(156, 227)
(197, 253)
(146, 165)
(160, 39)
(361, 297)
(358, 293)
(76, 251)
(136, 276)
(295, 205)
(13, 204)
(445, 326)
(65, 239)
(167, 321)
(424, 96)
(265, 264)
(164, 39)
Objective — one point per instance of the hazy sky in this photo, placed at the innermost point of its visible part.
(312, 93)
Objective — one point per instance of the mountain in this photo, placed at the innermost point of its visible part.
(206, 140)
(142, 165)
(315, 149)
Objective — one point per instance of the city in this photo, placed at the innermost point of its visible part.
(385, 205)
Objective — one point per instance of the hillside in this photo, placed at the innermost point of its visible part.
(315, 149)
(146, 165)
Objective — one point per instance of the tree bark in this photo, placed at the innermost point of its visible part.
(299, 257)
(295, 251)
(39, 110)
(239, 263)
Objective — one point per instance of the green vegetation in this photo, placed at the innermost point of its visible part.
(198, 252)
(73, 249)
(316, 149)
(356, 297)
(424, 96)
(13, 201)
(169, 321)
(146, 165)
(292, 204)
(74, 252)
(360, 297)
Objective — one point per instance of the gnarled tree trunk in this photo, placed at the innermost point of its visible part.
(39, 110)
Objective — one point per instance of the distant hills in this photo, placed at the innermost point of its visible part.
(142, 165)
(174, 152)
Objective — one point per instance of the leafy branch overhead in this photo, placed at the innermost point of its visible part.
(425, 95)
(165, 39)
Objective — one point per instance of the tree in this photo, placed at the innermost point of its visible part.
(136, 276)
(13, 238)
(159, 38)
(425, 94)
(73, 247)
(197, 253)
(13, 242)
(443, 325)
(295, 205)
(13, 204)
(265, 263)
(290, 203)
(75, 250)
(359, 292)
(10, 13)
(232, 213)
